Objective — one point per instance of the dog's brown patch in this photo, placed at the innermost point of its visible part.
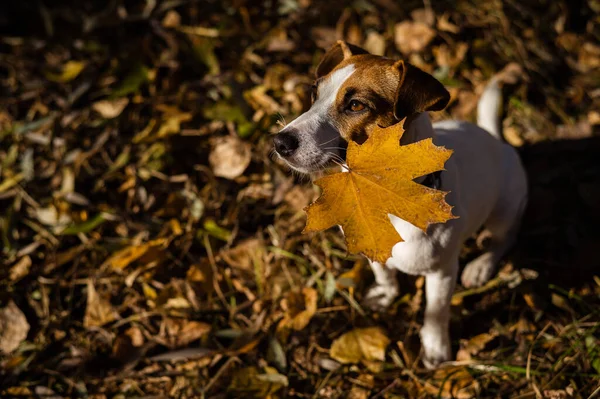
(389, 89)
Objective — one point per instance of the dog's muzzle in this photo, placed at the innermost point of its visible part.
(286, 143)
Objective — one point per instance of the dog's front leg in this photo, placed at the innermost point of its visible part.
(435, 335)
(385, 289)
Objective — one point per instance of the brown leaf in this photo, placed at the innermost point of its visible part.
(360, 345)
(200, 277)
(13, 327)
(249, 382)
(99, 311)
(128, 345)
(423, 15)
(445, 25)
(450, 57)
(110, 108)
(229, 157)
(124, 257)
(453, 382)
(474, 345)
(240, 256)
(375, 43)
(300, 307)
(172, 19)
(412, 37)
(182, 332)
(20, 269)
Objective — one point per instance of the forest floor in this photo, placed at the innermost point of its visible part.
(151, 243)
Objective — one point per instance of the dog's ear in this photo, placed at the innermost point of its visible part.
(339, 52)
(417, 91)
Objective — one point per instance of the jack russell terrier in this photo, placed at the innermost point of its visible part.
(354, 92)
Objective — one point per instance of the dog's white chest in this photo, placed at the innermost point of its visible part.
(415, 254)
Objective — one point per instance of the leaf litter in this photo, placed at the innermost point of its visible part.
(137, 264)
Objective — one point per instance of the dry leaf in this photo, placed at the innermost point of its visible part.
(423, 15)
(249, 382)
(200, 276)
(453, 382)
(128, 345)
(360, 345)
(474, 345)
(380, 182)
(13, 327)
(110, 108)
(20, 269)
(182, 332)
(172, 19)
(445, 25)
(99, 311)
(375, 43)
(241, 256)
(412, 37)
(124, 257)
(300, 307)
(229, 157)
(450, 57)
(70, 71)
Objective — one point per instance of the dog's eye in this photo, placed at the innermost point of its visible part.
(356, 106)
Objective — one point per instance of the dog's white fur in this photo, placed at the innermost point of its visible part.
(487, 186)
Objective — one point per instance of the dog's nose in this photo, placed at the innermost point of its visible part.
(285, 144)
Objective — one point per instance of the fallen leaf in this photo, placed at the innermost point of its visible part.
(241, 255)
(363, 390)
(124, 257)
(182, 332)
(13, 327)
(204, 47)
(99, 311)
(375, 43)
(300, 307)
(128, 345)
(450, 57)
(423, 15)
(137, 76)
(229, 157)
(200, 277)
(70, 71)
(360, 345)
(172, 19)
(249, 382)
(380, 182)
(45, 392)
(110, 108)
(412, 37)
(20, 269)
(453, 382)
(445, 25)
(474, 345)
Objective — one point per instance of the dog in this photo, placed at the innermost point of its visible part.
(353, 93)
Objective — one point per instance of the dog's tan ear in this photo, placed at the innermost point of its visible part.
(339, 52)
(418, 91)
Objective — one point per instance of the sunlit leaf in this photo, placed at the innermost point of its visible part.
(70, 70)
(360, 345)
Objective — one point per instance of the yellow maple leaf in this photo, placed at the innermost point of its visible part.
(379, 182)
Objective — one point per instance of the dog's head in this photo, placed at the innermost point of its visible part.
(353, 93)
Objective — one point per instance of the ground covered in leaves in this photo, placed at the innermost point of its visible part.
(151, 244)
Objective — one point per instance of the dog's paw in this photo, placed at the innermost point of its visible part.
(478, 272)
(379, 297)
(436, 347)
(433, 361)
